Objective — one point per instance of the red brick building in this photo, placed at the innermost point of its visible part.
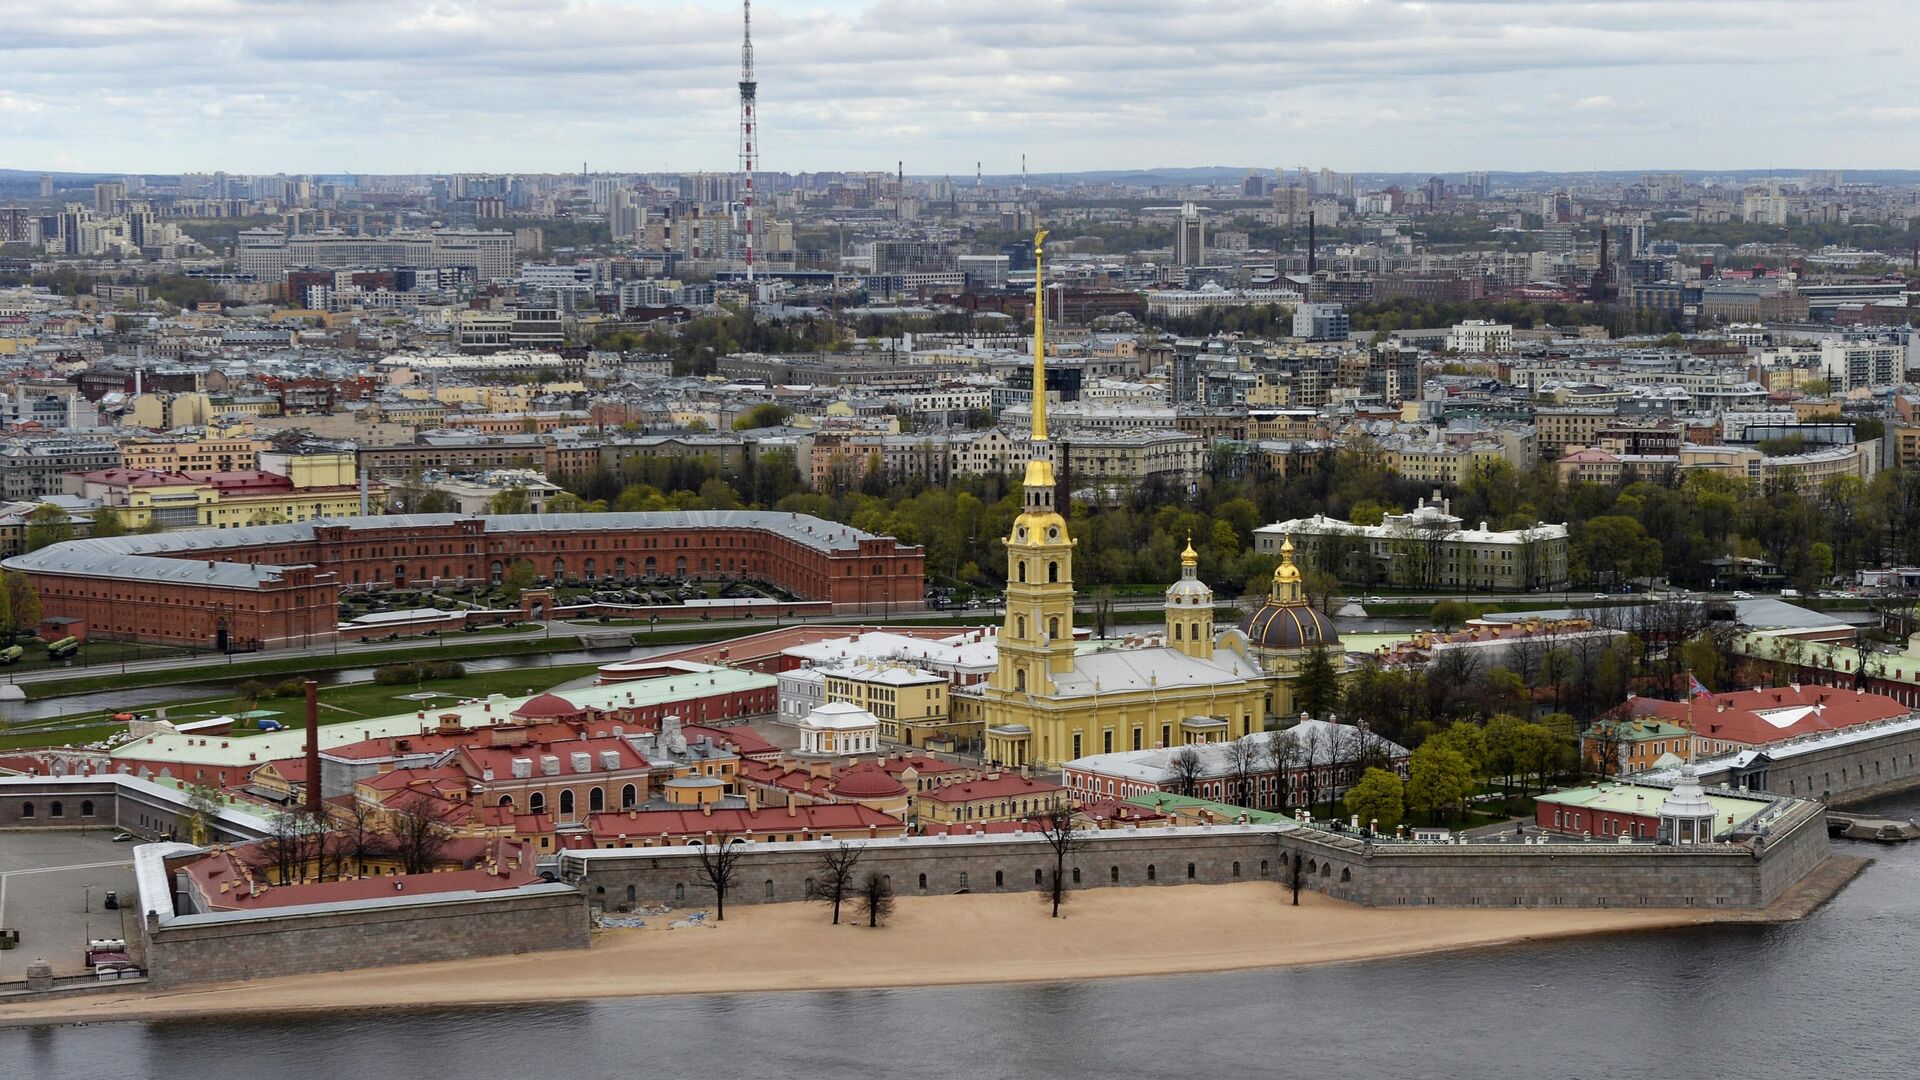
(275, 586)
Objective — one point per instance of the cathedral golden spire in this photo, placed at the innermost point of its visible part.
(1039, 478)
(1189, 557)
(1039, 341)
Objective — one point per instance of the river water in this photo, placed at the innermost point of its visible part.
(1832, 996)
(138, 697)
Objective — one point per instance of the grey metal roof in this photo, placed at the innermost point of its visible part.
(171, 557)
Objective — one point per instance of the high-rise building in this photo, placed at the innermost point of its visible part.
(1190, 237)
(107, 196)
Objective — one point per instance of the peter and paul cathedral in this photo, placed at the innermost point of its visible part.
(1053, 697)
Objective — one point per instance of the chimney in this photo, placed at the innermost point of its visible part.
(313, 748)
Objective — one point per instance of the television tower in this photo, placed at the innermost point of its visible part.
(748, 89)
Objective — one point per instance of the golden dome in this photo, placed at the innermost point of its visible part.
(1189, 557)
(1286, 573)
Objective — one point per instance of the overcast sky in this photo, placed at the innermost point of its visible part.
(1353, 85)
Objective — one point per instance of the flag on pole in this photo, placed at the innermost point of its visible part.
(1695, 689)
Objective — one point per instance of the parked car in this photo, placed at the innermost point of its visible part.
(1743, 595)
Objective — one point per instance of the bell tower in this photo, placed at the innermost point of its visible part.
(1190, 609)
(1036, 642)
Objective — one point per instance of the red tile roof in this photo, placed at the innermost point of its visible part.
(824, 817)
(1004, 785)
(1756, 717)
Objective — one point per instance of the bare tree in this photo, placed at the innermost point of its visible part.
(1056, 827)
(1244, 756)
(356, 838)
(1314, 753)
(719, 859)
(1102, 610)
(1295, 876)
(876, 899)
(283, 846)
(1186, 770)
(835, 876)
(419, 832)
(1283, 753)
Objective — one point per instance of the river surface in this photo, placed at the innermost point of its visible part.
(139, 697)
(1832, 996)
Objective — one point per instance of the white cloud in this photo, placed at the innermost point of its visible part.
(399, 85)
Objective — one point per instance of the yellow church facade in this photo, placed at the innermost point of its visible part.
(1053, 698)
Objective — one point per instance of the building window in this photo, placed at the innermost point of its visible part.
(54, 809)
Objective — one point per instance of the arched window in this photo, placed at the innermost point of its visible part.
(923, 883)
(1037, 879)
(1326, 869)
(1053, 628)
(628, 796)
(506, 800)
(1020, 569)
(620, 568)
(632, 894)
(1176, 632)
(559, 568)
(1053, 571)
(1152, 874)
(536, 802)
(54, 809)
(596, 799)
(1076, 875)
(26, 810)
(1263, 868)
(1236, 868)
(1019, 681)
(1113, 874)
(86, 808)
(1190, 872)
(999, 878)
(1019, 626)
(566, 800)
(769, 888)
(590, 569)
(496, 572)
(680, 891)
(808, 889)
(1346, 874)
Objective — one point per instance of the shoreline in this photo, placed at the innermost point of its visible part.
(932, 941)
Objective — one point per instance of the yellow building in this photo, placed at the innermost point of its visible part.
(909, 703)
(208, 453)
(1051, 701)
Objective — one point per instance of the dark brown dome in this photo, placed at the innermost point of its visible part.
(1289, 626)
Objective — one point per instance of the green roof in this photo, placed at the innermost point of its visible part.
(1620, 798)
(1167, 801)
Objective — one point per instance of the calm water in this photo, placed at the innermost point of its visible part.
(1833, 996)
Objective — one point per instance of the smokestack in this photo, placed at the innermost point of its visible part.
(313, 748)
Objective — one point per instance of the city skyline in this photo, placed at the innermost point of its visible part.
(512, 86)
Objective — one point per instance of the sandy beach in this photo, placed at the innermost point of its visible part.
(938, 940)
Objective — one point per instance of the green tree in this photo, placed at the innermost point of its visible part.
(23, 602)
(1465, 738)
(1438, 778)
(1378, 797)
(764, 415)
(108, 522)
(48, 524)
(518, 579)
(1448, 614)
(1505, 737)
(511, 501)
(1317, 688)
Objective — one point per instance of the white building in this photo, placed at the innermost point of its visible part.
(1480, 336)
(1426, 547)
(838, 729)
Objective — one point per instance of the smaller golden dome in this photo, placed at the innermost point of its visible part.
(1189, 557)
(1286, 573)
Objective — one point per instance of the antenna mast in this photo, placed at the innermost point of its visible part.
(749, 89)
